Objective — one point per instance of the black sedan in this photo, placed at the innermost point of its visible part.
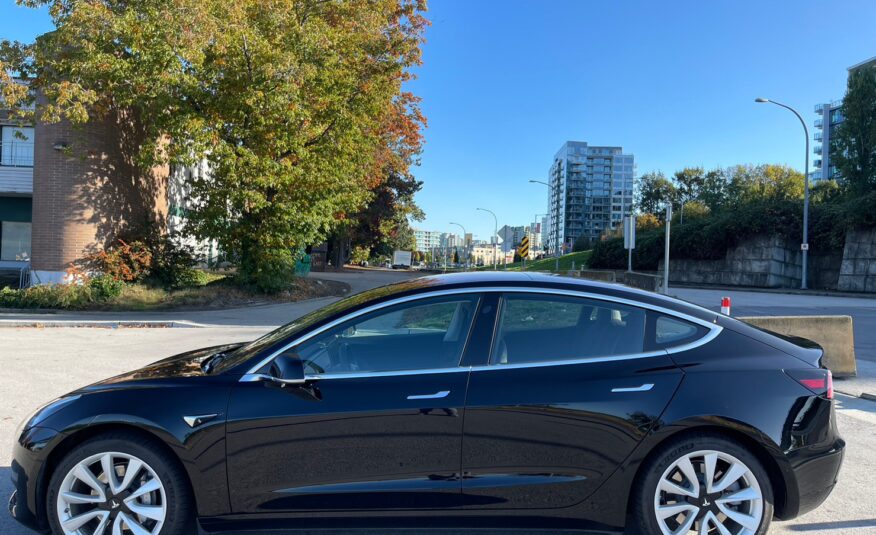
(462, 400)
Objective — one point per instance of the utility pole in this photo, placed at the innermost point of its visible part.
(495, 236)
(804, 247)
(666, 249)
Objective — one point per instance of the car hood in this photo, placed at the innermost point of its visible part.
(186, 364)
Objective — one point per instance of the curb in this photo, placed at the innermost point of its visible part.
(98, 324)
(869, 397)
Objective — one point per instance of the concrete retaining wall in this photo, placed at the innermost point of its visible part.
(593, 274)
(644, 281)
(833, 333)
(858, 268)
(762, 262)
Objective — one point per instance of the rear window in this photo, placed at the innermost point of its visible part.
(669, 331)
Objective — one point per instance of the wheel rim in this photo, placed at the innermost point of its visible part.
(111, 493)
(710, 493)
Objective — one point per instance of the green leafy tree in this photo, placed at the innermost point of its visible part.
(854, 147)
(688, 183)
(654, 191)
(713, 192)
(582, 243)
(288, 101)
(750, 183)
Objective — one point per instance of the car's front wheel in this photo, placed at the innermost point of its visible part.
(117, 484)
(705, 485)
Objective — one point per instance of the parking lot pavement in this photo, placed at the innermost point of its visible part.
(37, 365)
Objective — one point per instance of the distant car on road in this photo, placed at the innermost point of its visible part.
(505, 399)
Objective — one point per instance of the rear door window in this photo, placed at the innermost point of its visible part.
(544, 327)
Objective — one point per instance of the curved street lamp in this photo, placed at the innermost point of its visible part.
(555, 228)
(805, 245)
(495, 235)
(464, 246)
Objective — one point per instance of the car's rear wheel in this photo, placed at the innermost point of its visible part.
(706, 485)
(117, 485)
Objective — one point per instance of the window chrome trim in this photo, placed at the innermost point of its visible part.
(587, 360)
(714, 331)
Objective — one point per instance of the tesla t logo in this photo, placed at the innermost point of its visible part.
(114, 504)
(706, 502)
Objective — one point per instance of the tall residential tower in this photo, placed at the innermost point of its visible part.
(591, 189)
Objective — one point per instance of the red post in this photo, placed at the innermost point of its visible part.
(725, 306)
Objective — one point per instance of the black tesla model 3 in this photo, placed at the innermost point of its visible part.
(463, 400)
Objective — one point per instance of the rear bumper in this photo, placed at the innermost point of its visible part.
(817, 477)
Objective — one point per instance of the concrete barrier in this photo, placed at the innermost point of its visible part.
(834, 333)
(604, 275)
(644, 281)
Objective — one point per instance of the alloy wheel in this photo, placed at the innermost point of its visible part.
(710, 493)
(111, 493)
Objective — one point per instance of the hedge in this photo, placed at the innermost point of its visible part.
(709, 237)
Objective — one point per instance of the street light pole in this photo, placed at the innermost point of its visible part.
(464, 245)
(495, 235)
(805, 245)
(555, 227)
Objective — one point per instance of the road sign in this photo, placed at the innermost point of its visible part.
(629, 232)
(523, 248)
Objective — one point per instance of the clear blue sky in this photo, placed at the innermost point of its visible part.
(504, 84)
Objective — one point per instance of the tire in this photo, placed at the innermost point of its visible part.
(668, 465)
(156, 495)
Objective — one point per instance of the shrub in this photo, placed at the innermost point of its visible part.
(104, 288)
(173, 264)
(708, 237)
(124, 261)
(271, 271)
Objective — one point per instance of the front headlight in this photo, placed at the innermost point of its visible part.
(42, 413)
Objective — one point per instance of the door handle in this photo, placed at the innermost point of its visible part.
(436, 395)
(643, 388)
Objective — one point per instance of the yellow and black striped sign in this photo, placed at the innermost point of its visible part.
(523, 248)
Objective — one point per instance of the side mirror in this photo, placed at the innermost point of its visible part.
(287, 369)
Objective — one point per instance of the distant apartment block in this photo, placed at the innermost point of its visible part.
(428, 239)
(591, 189)
(828, 118)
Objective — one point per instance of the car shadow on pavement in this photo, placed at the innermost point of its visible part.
(839, 524)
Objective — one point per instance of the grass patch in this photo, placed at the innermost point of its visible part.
(579, 260)
(206, 290)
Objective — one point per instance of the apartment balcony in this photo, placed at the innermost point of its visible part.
(16, 167)
(819, 123)
(817, 163)
(818, 136)
(817, 149)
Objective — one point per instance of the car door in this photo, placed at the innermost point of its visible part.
(567, 394)
(377, 426)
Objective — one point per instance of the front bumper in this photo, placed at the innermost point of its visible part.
(29, 456)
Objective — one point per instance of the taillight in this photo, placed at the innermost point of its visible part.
(817, 380)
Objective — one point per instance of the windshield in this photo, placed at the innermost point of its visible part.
(296, 326)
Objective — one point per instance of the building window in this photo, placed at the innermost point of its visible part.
(17, 146)
(14, 241)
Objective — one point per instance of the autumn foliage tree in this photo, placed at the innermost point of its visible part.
(297, 105)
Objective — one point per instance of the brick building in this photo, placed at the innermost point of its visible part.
(69, 190)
